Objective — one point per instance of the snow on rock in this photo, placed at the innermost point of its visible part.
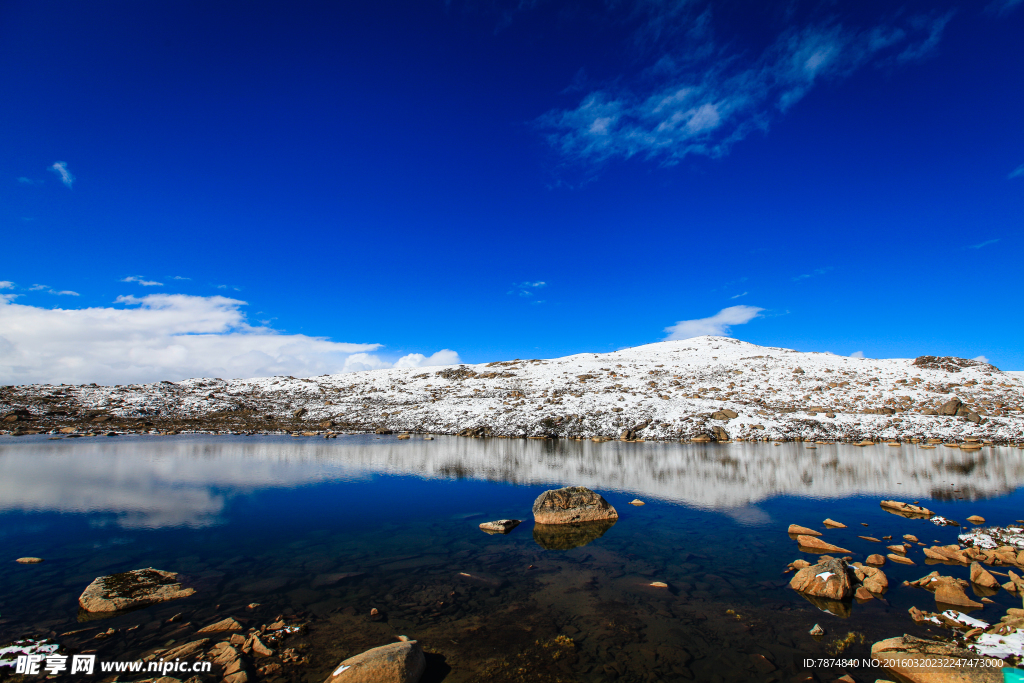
(713, 387)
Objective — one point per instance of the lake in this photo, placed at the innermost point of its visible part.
(322, 531)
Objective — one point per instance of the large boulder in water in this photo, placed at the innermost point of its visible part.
(829, 578)
(571, 505)
(129, 590)
(395, 663)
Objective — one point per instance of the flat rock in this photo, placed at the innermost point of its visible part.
(875, 559)
(829, 578)
(571, 505)
(818, 546)
(900, 559)
(834, 524)
(224, 625)
(29, 560)
(500, 526)
(797, 530)
(128, 590)
(976, 519)
(395, 663)
(906, 509)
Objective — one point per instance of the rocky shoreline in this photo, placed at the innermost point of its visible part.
(702, 389)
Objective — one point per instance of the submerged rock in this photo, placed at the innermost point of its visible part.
(128, 590)
(570, 505)
(567, 536)
(395, 663)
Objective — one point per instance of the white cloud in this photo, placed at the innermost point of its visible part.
(1003, 6)
(49, 290)
(6, 284)
(813, 273)
(178, 277)
(700, 96)
(526, 288)
(28, 181)
(737, 296)
(140, 280)
(1017, 172)
(418, 360)
(61, 169)
(983, 359)
(165, 336)
(717, 325)
(983, 244)
(857, 354)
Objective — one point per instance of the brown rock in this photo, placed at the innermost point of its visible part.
(906, 509)
(228, 624)
(829, 578)
(797, 530)
(500, 526)
(982, 577)
(259, 648)
(817, 545)
(872, 578)
(862, 593)
(910, 538)
(900, 559)
(870, 538)
(834, 524)
(915, 660)
(29, 560)
(570, 505)
(901, 549)
(976, 519)
(396, 663)
(951, 593)
(876, 560)
(128, 590)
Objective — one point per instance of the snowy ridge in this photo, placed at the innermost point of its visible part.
(666, 390)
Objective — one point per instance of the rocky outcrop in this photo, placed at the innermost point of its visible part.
(927, 661)
(395, 663)
(129, 590)
(829, 578)
(571, 505)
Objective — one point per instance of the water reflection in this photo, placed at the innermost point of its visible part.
(185, 481)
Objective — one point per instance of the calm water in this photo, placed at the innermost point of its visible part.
(269, 520)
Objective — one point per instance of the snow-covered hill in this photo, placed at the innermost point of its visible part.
(666, 390)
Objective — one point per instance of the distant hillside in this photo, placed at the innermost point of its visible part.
(706, 386)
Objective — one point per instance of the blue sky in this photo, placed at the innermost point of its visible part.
(504, 179)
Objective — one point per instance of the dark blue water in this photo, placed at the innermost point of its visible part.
(267, 519)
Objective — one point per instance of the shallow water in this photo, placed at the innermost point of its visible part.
(270, 520)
